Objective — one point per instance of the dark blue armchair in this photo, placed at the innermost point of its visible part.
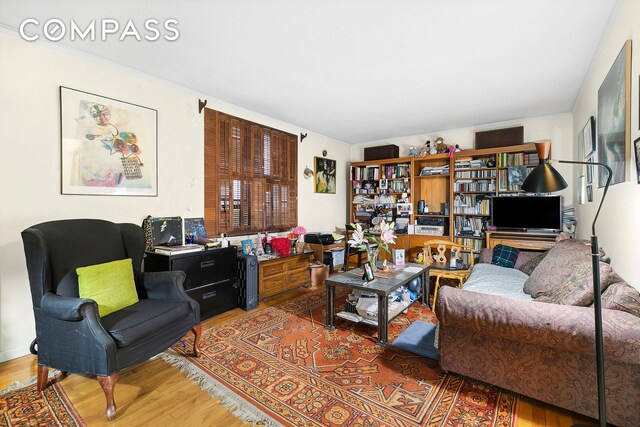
(70, 335)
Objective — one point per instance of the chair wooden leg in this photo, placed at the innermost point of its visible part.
(108, 384)
(197, 331)
(435, 294)
(43, 377)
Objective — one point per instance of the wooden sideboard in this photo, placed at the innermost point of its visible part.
(524, 241)
(283, 273)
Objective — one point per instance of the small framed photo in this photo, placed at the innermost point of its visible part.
(247, 247)
(636, 146)
(589, 137)
(398, 257)
(590, 170)
(404, 209)
(368, 271)
(384, 184)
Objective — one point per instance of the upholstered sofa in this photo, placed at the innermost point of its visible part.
(530, 329)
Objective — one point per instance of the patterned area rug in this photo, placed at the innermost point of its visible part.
(22, 405)
(293, 371)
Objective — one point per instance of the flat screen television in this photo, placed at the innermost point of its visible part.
(527, 213)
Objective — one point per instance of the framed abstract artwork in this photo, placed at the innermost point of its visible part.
(109, 147)
(614, 118)
(325, 175)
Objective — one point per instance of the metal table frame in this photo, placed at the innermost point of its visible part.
(381, 286)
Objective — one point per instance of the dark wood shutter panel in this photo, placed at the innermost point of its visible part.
(223, 142)
(250, 176)
(236, 148)
(225, 204)
(258, 155)
(266, 150)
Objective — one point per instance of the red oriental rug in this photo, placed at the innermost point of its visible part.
(22, 405)
(292, 371)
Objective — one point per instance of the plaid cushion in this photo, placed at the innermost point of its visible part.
(504, 256)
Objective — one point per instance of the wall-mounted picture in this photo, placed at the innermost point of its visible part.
(614, 118)
(109, 147)
(325, 175)
(636, 148)
(589, 137)
(589, 193)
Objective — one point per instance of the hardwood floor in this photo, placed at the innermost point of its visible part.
(155, 393)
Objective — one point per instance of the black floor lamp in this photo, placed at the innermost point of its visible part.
(545, 179)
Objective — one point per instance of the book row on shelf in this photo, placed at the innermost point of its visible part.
(470, 204)
(396, 171)
(396, 186)
(475, 244)
(469, 226)
(489, 185)
(516, 159)
(489, 173)
(363, 173)
(470, 163)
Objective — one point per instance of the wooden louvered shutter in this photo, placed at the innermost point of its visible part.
(211, 164)
(250, 176)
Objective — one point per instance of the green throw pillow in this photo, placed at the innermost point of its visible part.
(504, 256)
(110, 285)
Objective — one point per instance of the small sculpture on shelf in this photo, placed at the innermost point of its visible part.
(413, 152)
(440, 145)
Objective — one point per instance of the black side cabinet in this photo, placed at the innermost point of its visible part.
(212, 276)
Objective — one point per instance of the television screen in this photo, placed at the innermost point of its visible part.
(527, 213)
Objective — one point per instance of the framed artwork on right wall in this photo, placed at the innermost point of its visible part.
(636, 149)
(614, 118)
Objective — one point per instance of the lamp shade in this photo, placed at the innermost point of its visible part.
(544, 179)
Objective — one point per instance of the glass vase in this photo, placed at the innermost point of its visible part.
(372, 255)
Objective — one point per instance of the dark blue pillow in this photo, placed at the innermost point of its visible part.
(419, 338)
(504, 256)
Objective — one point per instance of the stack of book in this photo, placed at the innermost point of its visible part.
(178, 249)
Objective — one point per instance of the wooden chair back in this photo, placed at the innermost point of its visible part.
(440, 251)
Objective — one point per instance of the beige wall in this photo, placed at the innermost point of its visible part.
(557, 128)
(30, 76)
(617, 228)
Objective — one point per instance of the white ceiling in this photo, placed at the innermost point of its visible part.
(358, 70)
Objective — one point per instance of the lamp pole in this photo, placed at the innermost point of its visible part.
(597, 298)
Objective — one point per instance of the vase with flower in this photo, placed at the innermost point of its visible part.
(372, 240)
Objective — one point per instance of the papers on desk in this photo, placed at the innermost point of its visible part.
(412, 269)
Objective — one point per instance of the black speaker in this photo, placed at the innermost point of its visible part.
(420, 207)
(248, 278)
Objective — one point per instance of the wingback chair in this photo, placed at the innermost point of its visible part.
(69, 332)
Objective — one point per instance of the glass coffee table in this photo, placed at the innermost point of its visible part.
(385, 283)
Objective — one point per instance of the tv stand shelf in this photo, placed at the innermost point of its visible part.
(521, 240)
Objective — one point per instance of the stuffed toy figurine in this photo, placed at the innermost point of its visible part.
(413, 152)
(440, 145)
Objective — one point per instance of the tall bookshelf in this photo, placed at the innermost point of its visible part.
(466, 182)
(377, 187)
(432, 179)
(479, 175)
